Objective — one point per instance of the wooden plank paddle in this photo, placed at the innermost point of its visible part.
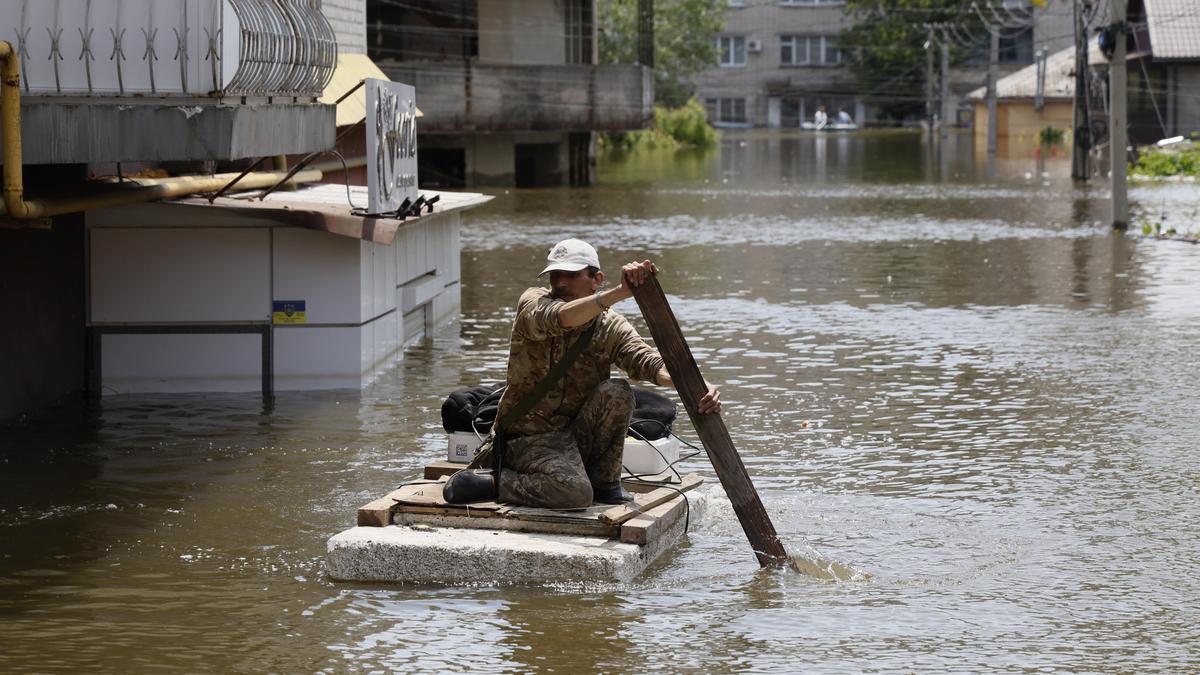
(711, 428)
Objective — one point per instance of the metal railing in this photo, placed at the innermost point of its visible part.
(171, 48)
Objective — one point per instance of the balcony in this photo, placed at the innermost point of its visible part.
(156, 80)
(461, 96)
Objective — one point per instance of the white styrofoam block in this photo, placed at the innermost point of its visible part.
(322, 269)
(649, 457)
(317, 357)
(175, 363)
(156, 275)
(448, 552)
(462, 446)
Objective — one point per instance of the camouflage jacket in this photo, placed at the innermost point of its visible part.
(539, 340)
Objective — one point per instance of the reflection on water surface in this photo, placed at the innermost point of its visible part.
(948, 376)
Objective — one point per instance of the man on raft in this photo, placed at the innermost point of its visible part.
(560, 439)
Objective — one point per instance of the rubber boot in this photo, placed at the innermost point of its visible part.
(469, 485)
(613, 494)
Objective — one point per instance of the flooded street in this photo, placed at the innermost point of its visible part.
(948, 376)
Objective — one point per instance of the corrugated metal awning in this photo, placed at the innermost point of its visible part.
(1059, 81)
(352, 69)
(325, 208)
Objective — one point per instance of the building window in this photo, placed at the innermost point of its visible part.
(1017, 48)
(799, 50)
(726, 110)
(579, 31)
(830, 55)
(793, 50)
(732, 49)
(1014, 49)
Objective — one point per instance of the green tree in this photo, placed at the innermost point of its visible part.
(685, 41)
(886, 48)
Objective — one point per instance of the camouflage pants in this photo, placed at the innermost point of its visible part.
(558, 470)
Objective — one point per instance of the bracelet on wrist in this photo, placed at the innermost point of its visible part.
(603, 307)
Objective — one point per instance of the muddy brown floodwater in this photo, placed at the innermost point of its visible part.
(946, 378)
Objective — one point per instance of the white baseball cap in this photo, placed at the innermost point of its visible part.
(571, 255)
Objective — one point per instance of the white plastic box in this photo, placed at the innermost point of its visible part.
(462, 446)
(650, 457)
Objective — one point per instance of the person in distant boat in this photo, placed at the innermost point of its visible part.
(821, 118)
(567, 450)
(844, 117)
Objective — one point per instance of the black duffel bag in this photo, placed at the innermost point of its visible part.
(472, 409)
(653, 415)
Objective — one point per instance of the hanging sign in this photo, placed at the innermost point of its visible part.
(391, 145)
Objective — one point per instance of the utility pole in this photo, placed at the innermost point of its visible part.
(1117, 116)
(929, 79)
(645, 10)
(945, 126)
(1082, 141)
(993, 75)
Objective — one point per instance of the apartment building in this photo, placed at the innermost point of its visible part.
(511, 91)
(779, 62)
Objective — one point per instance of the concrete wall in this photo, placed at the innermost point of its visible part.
(491, 159)
(483, 98)
(172, 264)
(1053, 26)
(42, 305)
(529, 32)
(349, 21)
(520, 91)
(104, 129)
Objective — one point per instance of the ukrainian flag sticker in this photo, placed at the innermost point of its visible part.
(287, 311)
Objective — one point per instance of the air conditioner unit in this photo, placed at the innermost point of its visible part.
(754, 46)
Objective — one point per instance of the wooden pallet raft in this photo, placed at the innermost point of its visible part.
(654, 510)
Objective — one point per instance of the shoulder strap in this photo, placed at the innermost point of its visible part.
(564, 364)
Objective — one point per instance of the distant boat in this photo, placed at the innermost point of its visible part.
(832, 126)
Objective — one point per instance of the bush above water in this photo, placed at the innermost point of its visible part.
(685, 126)
(1167, 162)
(1051, 136)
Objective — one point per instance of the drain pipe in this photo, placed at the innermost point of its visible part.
(150, 189)
(14, 204)
(10, 126)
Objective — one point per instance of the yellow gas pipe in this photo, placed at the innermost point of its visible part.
(14, 204)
